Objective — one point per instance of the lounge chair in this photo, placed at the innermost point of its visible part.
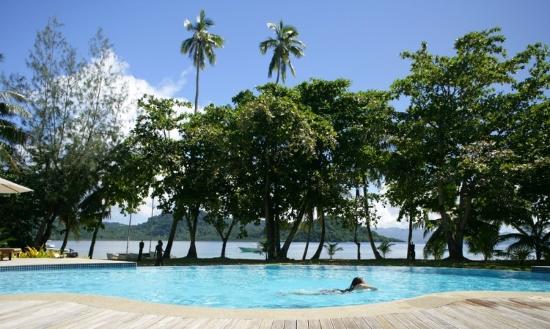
(9, 252)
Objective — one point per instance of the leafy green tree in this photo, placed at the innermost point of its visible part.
(449, 125)
(332, 249)
(75, 108)
(161, 161)
(284, 45)
(200, 46)
(277, 134)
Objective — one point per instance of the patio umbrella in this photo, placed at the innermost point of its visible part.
(7, 187)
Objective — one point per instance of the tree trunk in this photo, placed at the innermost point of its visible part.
(192, 224)
(65, 239)
(367, 220)
(92, 244)
(175, 219)
(226, 236)
(357, 243)
(278, 73)
(291, 234)
(317, 253)
(308, 234)
(45, 230)
(197, 90)
(356, 226)
(455, 241)
(455, 252)
(269, 225)
(224, 244)
(409, 237)
(277, 237)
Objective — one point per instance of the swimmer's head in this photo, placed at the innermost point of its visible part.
(356, 281)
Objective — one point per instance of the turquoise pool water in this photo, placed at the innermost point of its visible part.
(267, 286)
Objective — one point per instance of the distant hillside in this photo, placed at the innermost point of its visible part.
(158, 227)
(403, 233)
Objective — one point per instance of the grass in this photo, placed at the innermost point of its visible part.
(492, 264)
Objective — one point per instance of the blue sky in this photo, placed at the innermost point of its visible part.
(357, 40)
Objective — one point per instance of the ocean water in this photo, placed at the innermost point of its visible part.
(211, 249)
(268, 286)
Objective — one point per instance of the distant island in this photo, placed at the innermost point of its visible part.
(158, 227)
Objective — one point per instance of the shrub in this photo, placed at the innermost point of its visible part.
(38, 253)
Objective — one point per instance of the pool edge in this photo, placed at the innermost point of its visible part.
(399, 306)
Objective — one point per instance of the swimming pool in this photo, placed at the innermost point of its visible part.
(270, 286)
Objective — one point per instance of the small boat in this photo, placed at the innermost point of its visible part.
(128, 257)
(71, 253)
(252, 250)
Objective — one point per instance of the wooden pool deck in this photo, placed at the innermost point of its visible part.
(504, 310)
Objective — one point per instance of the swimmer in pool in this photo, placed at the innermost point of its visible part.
(356, 284)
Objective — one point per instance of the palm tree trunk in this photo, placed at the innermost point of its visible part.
(92, 244)
(322, 238)
(197, 90)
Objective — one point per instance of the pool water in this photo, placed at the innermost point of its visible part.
(271, 286)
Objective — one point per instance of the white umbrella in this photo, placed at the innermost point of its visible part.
(7, 187)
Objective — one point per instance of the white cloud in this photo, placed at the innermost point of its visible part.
(388, 216)
(136, 88)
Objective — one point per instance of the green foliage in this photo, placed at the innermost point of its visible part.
(385, 247)
(455, 138)
(519, 252)
(31, 252)
(285, 45)
(201, 46)
(332, 248)
(483, 239)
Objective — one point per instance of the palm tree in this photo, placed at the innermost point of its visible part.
(284, 45)
(532, 233)
(332, 248)
(201, 46)
(385, 247)
(483, 239)
(10, 134)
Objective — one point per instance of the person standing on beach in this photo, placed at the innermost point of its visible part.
(141, 245)
(158, 254)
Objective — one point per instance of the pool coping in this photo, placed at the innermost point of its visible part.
(399, 306)
(48, 264)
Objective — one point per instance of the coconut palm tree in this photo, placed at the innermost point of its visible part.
(285, 44)
(532, 233)
(332, 248)
(10, 133)
(201, 46)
